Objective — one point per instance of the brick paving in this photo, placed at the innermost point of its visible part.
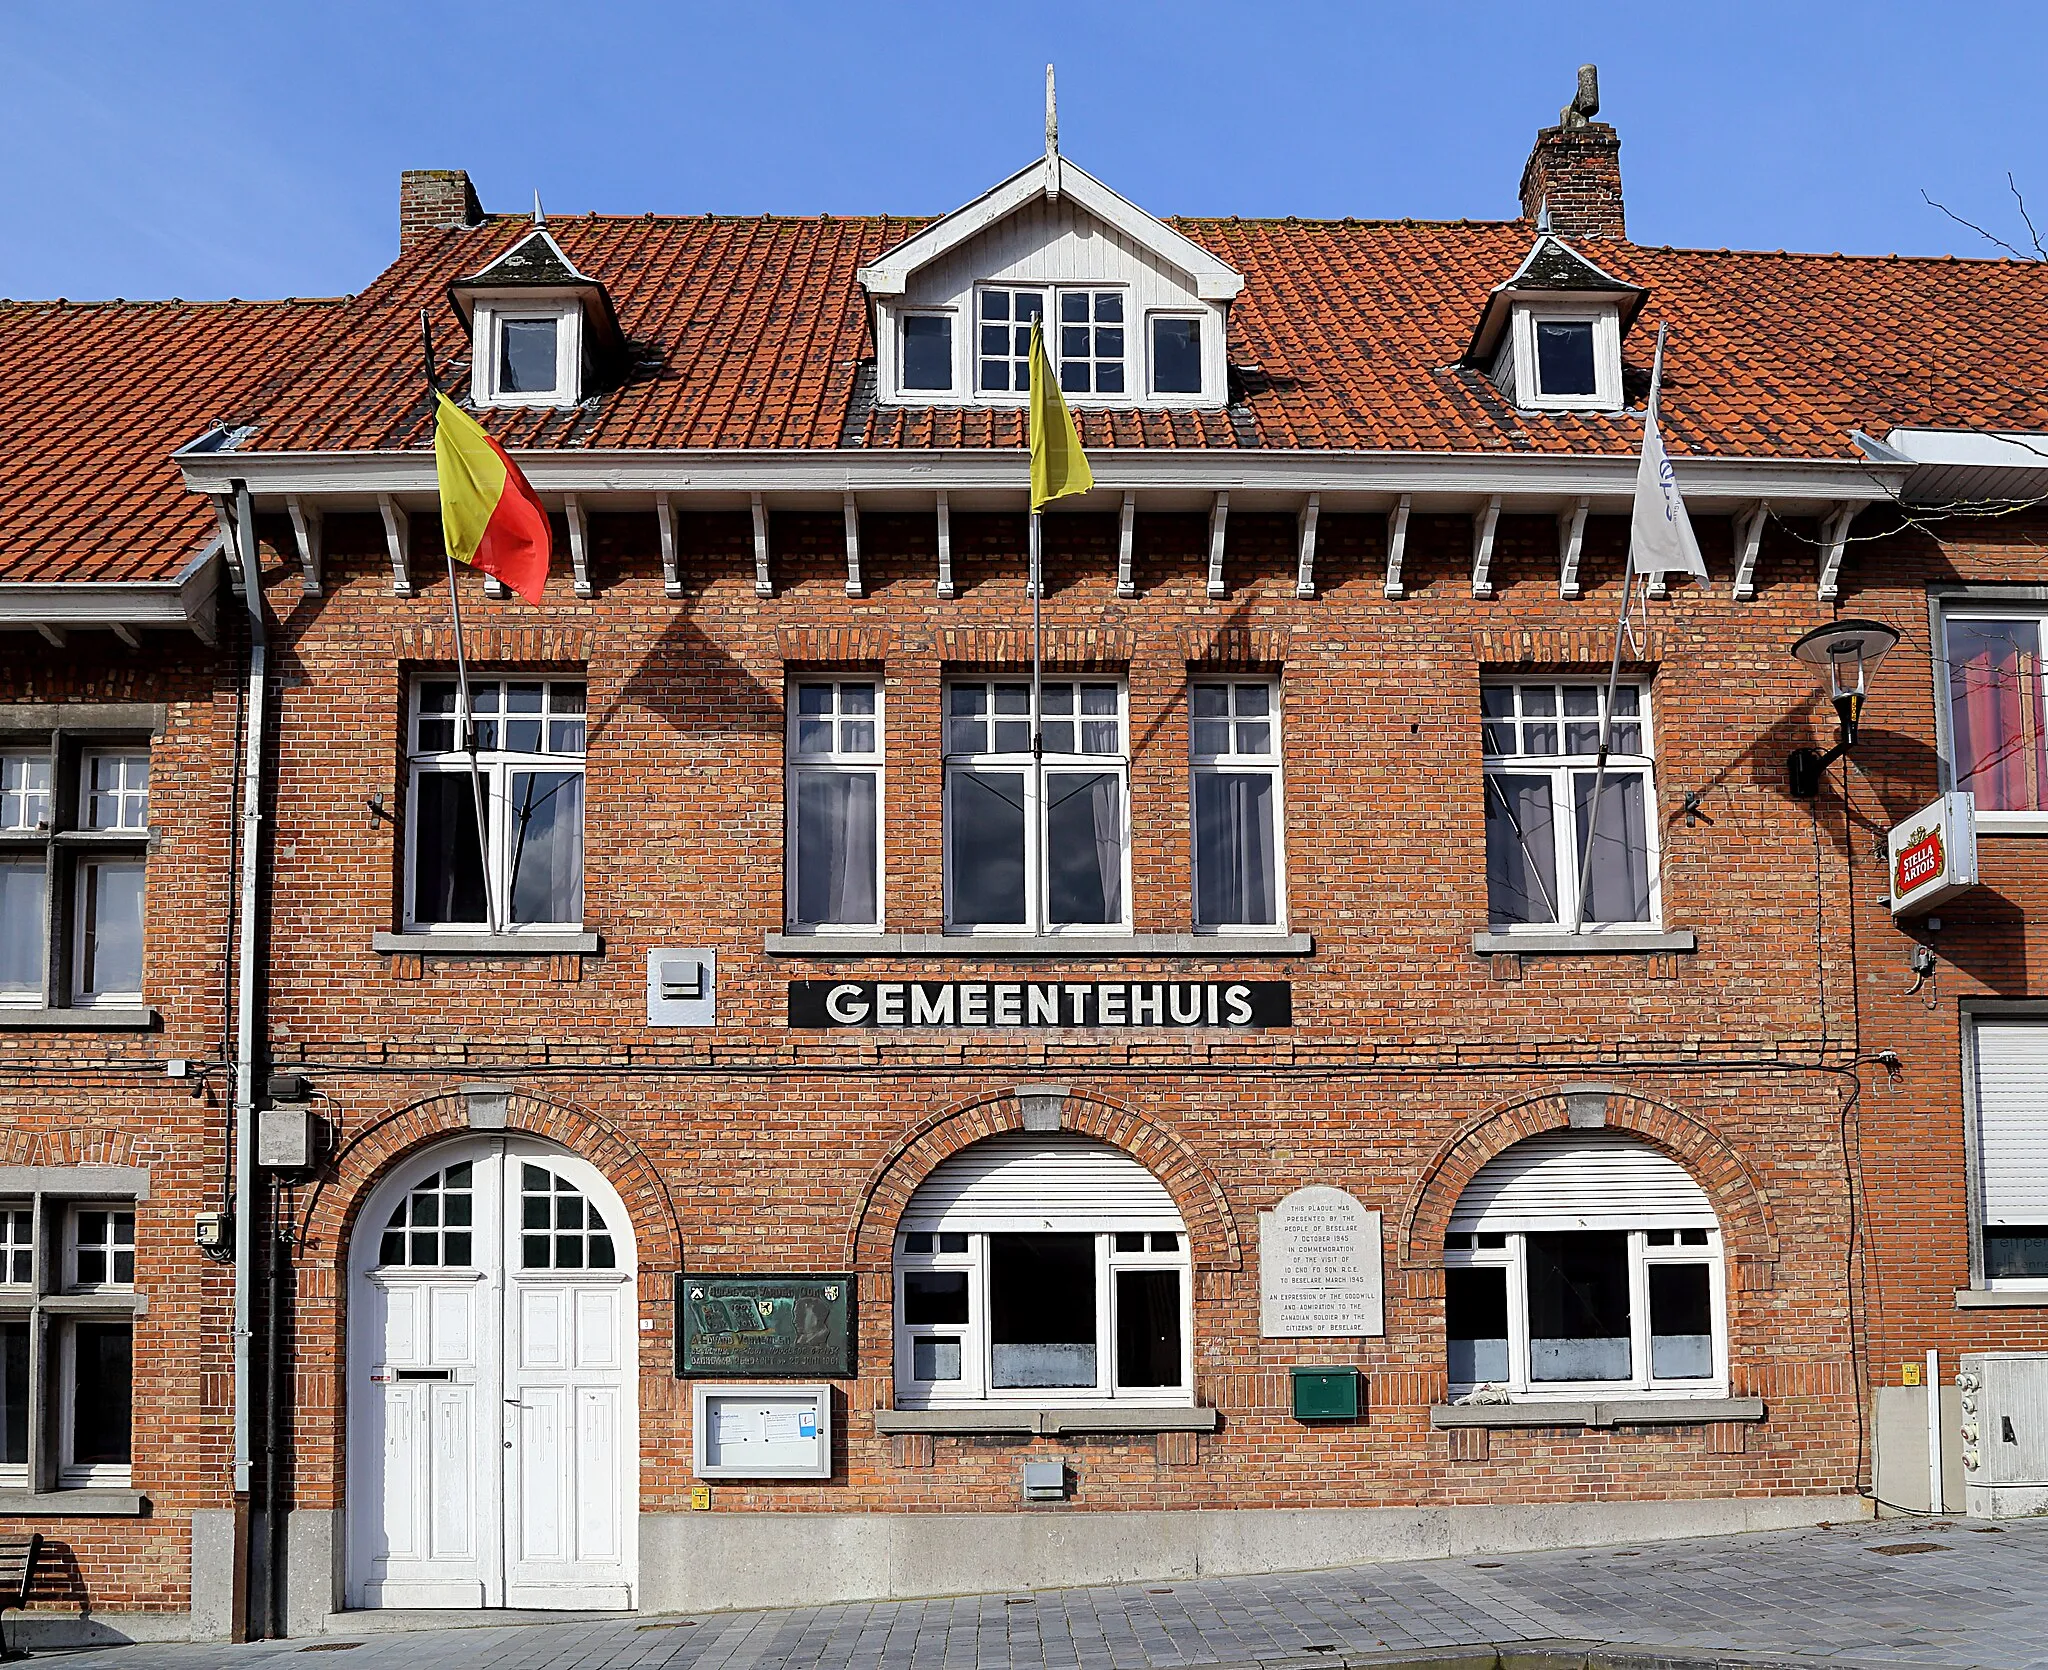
(1835, 1596)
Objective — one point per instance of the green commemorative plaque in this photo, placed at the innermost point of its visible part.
(801, 1326)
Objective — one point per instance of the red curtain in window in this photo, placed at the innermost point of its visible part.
(1994, 684)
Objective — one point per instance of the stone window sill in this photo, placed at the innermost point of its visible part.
(2001, 1298)
(76, 1020)
(1584, 945)
(1096, 1418)
(94, 1503)
(1654, 1411)
(1003, 947)
(487, 945)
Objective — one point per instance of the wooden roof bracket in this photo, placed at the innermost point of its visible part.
(1749, 538)
(579, 544)
(852, 513)
(945, 513)
(1305, 557)
(1571, 540)
(309, 530)
(1483, 526)
(224, 524)
(1834, 542)
(1397, 545)
(1126, 541)
(1219, 519)
(763, 586)
(397, 541)
(665, 519)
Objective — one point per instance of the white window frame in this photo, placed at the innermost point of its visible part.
(1518, 363)
(1233, 762)
(72, 1475)
(899, 338)
(486, 354)
(127, 795)
(2028, 604)
(977, 1352)
(1511, 1256)
(497, 766)
(1035, 774)
(1976, 1012)
(1560, 768)
(1207, 326)
(82, 874)
(1051, 294)
(836, 761)
(73, 1282)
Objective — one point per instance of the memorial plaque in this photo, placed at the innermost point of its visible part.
(1319, 1267)
(764, 1325)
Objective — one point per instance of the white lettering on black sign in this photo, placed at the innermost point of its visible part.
(1040, 1003)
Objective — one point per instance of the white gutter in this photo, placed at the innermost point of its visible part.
(248, 976)
(187, 603)
(1376, 476)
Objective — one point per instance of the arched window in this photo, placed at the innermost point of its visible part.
(432, 1226)
(558, 1228)
(1582, 1262)
(1042, 1269)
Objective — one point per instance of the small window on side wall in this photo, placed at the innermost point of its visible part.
(1176, 355)
(928, 352)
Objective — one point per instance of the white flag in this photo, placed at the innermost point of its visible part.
(1660, 533)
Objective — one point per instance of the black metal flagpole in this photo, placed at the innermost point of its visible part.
(467, 718)
(1628, 577)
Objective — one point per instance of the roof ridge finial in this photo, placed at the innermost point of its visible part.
(539, 217)
(1052, 137)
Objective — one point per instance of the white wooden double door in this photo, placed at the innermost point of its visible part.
(493, 1433)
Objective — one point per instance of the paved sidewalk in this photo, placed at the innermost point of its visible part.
(1854, 1594)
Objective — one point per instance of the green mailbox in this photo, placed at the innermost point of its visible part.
(1326, 1394)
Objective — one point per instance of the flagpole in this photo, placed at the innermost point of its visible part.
(468, 715)
(1628, 575)
(1037, 679)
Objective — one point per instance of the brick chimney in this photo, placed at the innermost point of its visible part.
(435, 200)
(1575, 170)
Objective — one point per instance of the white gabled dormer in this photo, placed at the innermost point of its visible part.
(540, 329)
(1135, 314)
(1550, 337)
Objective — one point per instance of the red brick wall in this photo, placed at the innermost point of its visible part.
(1576, 173)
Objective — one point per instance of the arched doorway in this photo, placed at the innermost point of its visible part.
(493, 1451)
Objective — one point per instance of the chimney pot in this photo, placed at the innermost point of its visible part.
(435, 200)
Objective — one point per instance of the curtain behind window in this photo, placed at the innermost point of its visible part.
(835, 847)
(1994, 691)
(1618, 883)
(547, 846)
(1234, 858)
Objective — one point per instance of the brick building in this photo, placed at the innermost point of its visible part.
(1011, 1123)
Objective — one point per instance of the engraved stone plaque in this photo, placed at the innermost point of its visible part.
(1319, 1267)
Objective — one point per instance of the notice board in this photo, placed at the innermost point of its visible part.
(770, 1325)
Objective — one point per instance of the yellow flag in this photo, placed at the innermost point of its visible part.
(1058, 465)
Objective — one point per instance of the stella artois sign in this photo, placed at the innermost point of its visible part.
(1934, 854)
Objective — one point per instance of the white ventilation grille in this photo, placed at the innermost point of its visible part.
(2012, 1121)
(1024, 1181)
(1582, 1180)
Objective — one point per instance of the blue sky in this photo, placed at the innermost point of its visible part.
(254, 149)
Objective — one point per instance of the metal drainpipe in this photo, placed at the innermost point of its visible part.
(247, 977)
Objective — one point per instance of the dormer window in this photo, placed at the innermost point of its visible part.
(1005, 347)
(1550, 337)
(928, 352)
(1176, 354)
(543, 332)
(527, 356)
(1564, 358)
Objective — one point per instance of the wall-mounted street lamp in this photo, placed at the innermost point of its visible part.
(1850, 650)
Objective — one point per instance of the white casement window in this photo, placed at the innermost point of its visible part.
(1176, 353)
(1561, 357)
(925, 353)
(1037, 845)
(1540, 743)
(1997, 712)
(1042, 1269)
(1582, 1263)
(1084, 336)
(527, 354)
(75, 1390)
(86, 850)
(834, 797)
(1234, 732)
(2008, 1085)
(530, 737)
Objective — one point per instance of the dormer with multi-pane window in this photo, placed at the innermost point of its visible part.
(1550, 336)
(542, 331)
(1134, 314)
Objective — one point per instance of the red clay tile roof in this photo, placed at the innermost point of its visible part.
(94, 399)
(1348, 336)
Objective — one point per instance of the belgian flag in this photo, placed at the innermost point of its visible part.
(490, 516)
(1058, 465)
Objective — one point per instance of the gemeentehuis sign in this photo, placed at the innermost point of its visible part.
(980, 1004)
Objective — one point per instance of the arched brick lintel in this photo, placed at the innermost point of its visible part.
(1204, 1208)
(370, 1154)
(1749, 1231)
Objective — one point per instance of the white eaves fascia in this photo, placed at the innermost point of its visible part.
(333, 477)
(890, 275)
(187, 601)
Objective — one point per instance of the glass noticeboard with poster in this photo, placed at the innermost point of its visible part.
(765, 1325)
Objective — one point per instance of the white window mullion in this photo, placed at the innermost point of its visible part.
(1518, 1314)
(1638, 1313)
